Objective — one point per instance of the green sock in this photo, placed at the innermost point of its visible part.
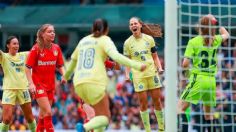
(160, 120)
(32, 126)
(4, 127)
(101, 129)
(146, 120)
(96, 122)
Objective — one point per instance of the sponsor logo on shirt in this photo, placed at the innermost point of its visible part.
(46, 63)
(41, 54)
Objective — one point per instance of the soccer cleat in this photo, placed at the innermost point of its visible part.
(79, 127)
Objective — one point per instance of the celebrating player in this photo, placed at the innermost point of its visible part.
(15, 84)
(141, 47)
(90, 79)
(44, 58)
(202, 51)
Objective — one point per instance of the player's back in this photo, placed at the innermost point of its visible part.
(90, 55)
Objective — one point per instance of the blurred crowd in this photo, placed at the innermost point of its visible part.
(124, 102)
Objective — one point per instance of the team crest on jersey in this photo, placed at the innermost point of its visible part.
(21, 57)
(55, 52)
(146, 43)
(140, 86)
(136, 53)
(7, 100)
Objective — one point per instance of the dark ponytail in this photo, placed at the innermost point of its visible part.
(8, 41)
(100, 26)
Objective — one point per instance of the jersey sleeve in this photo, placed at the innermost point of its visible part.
(189, 50)
(60, 61)
(74, 55)
(126, 50)
(218, 40)
(152, 42)
(112, 52)
(32, 57)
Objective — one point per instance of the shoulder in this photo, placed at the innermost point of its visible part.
(55, 45)
(129, 40)
(145, 36)
(198, 38)
(35, 47)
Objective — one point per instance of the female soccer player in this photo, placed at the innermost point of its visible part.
(15, 84)
(141, 47)
(43, 59)
(202, 51)
(90, 77)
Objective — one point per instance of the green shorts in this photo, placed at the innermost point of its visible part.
(13, 97)
(90, 93)
(148, 83)
(200, 88)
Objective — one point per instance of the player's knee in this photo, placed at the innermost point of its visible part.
(143, 106)
(208, 117)
(7, 119)
(48, 113)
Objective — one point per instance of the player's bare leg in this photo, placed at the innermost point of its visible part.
(181, 108)
(101, 119)
(209, 118)
(7, 116)
(27, 110)
(45, 112)
(143, 102)
(156, 94)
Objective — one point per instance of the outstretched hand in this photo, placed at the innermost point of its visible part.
(143, 67)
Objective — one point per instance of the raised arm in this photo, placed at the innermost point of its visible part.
(224, 33)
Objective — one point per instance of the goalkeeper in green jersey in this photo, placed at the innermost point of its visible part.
(202, 52)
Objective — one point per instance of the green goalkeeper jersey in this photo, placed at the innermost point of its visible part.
(204, 58)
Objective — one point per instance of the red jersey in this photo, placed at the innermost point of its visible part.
(43, 64)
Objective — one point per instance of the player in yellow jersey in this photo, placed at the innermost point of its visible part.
(90, 79)
(141, 48)
(15, 85)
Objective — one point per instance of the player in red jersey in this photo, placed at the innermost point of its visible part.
(43, 60)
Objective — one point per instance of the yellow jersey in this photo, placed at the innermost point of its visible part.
(90, 55)
(14, 70)
(140, 50)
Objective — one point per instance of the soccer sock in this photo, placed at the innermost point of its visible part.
(96, 122)
(48, 124)
(184, 122)
(40, 125)
(32, 126)
(210, 126)
(146, 120)
(4, 127)
(160, 120)
(101, 129)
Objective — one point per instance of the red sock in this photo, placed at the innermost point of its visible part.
(40, 125)
(48, 124)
